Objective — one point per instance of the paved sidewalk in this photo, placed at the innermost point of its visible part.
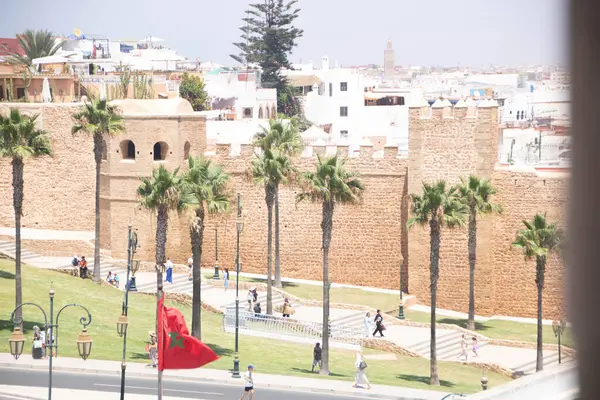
(47, 234)
(324, 385)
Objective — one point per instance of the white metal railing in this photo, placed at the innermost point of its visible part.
(290, 327)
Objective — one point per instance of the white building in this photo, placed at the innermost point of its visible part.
(344, 101)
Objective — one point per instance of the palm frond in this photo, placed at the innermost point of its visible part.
(539, 238)
(20, 138)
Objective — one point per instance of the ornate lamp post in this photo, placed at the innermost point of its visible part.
(401, 307)
(123, 322)
(559, 327)
(239, 224)
(17, 339)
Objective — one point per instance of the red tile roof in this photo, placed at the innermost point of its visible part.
(9, 45)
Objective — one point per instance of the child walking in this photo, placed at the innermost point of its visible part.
(475, 347)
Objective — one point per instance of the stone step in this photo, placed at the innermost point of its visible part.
(449, 340)
(356, 319)
(529, 367)
(452, 352)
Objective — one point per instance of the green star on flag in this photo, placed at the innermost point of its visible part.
(176, 340)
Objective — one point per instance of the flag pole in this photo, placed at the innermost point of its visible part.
(159, 333)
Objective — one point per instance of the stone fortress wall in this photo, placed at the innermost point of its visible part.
(369, 239)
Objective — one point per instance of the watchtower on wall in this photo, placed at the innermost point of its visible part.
(158, 132)
(445, 143)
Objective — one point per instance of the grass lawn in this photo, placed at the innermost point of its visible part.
(499, 329)
(267, 355)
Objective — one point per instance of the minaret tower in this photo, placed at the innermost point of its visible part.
(389, 60)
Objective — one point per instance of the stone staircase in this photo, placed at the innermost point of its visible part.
(181, 284)
(447, 344)
(276, 298)
(354, 320)
(9, 249)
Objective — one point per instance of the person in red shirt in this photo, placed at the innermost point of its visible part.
(83, 269)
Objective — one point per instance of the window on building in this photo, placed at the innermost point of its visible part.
(343, 86)
(248, 112)
(267, 113)
(343, 111)
(186, 150)
(127, 150)
(260, 113)
(344, 134)
(160, 151)
(20, 93)
(330, 89)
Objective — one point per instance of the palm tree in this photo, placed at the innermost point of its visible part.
(286, 139)
(20, 139)
(270, 169)
(100, 119)
(329, 185)
(475, 193)
(437, 207)
(538, 239)
(204, 185)
(161, 193)
(35, 44)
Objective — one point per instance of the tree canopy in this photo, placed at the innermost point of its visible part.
(268, 38)
(192, 89)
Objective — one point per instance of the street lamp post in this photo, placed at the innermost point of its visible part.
(559, 327)
(123, 322)
(216, 275)
(239, 224)
(401, 307)
(17, 339)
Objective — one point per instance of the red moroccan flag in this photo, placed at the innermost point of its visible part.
(176, 348)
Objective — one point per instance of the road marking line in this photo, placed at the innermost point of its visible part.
(165, 389)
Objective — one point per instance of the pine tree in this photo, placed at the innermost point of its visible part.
(268, 38)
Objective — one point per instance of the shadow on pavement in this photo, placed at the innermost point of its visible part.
(308, 371)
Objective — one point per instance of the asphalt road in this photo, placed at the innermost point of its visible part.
(147, 386)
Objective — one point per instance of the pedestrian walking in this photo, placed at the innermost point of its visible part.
(368, 324)
(153, 349)
(190, 268)
(226, 279)
(169, 271)
(288, 310)
(248, 383)
(317, 357)
(379, 327)
(360, 377)
(463, 348)
(250, 298)
(475, 346)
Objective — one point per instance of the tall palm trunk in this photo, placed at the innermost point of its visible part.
(17, 170)
(540, 262)
(269, 198)
(197, 236)
(98, 160)
(434, 259)
(277, 257)
(472, 261)
(326, 226)
(161, 243)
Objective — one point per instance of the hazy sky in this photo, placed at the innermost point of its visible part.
(424, 32)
